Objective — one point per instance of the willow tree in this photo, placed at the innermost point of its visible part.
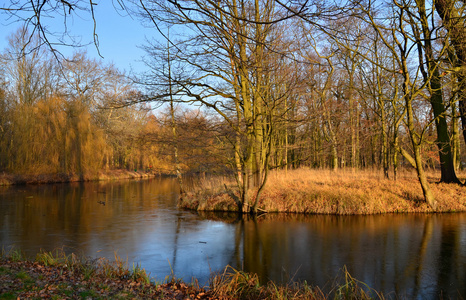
(29, 77)
(221, 56)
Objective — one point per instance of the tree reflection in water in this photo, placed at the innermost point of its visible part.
(413, 256)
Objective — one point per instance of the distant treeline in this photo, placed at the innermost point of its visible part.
(72, 116)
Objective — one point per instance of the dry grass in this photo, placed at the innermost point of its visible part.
(344, 192)
(234, 284)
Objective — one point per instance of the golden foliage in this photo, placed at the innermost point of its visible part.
(54, 136)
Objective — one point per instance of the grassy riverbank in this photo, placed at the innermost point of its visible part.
(10, 179)
(60, 276)
(344, 192)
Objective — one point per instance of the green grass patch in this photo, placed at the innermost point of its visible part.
(4, 271)
(8, 296)
(88, 294)
(22, 275)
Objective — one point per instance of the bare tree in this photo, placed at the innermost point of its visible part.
(36, 15)
(397, 37)
(222, 59)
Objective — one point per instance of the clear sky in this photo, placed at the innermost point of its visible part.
(119, 35)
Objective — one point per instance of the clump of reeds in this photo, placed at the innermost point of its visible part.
(12, 254)
(237, 284)
(209, 194)
(234, 284)
(351, 288)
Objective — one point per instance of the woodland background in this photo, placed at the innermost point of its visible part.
(245, 87)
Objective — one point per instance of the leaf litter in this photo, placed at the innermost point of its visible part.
(34, 280)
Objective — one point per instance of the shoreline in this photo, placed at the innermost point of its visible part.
(307, 191)
(59, 276)
(19, 179)
(345, 192)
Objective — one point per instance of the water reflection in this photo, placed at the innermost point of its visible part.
(418, 256)
(415, 256)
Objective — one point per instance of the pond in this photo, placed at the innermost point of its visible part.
(408, 255)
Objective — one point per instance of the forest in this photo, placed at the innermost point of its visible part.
(244, 87)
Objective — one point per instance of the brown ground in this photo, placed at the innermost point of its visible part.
(32, 280)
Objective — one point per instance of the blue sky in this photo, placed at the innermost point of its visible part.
(119, 35)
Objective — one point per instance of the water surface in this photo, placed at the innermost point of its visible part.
(412, 255)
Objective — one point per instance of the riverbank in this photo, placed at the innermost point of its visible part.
(60, 276)
(11, 179)
(344, 192)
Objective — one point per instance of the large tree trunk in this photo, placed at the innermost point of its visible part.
(447, 167)
(455, 24)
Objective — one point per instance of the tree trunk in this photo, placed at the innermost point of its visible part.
(455, 24)
(173, 125)
(447, 167)
(428, 196)
(455, 137)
